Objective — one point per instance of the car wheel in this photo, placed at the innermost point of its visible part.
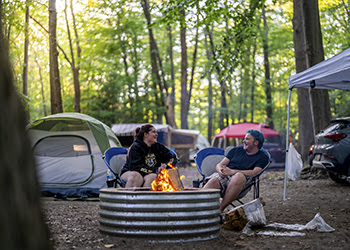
(338, 178)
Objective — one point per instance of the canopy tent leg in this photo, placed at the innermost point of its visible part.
(287, 147)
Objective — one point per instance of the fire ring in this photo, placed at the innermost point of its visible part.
(181, 216)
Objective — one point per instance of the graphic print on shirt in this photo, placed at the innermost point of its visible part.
(150, 160)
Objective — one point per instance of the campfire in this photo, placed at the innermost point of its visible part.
(168, 180)
(189, 214)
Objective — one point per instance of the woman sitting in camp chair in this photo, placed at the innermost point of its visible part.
(146, 158)
(233, 172)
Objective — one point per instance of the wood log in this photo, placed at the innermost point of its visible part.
(174, 179)
(236, 219)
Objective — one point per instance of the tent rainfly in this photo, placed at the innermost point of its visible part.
(68, 149)
(333, 73)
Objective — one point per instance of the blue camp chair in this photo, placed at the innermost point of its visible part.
(115, 159)
(207, 159)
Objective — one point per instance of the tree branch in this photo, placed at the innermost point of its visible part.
(64, 53)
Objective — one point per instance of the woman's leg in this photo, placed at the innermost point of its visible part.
(132, 179)
(148, 179)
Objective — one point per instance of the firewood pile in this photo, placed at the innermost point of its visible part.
(252, 213)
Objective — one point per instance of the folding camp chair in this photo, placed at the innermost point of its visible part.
(207, 159)
(115, 159)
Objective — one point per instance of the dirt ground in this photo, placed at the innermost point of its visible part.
(75, 225)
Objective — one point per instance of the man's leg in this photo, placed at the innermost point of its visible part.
(213, 183)
(234, 188)
(132, 179)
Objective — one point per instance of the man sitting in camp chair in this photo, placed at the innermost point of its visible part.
(240, 163)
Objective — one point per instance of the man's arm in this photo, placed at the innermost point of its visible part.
(228, 172)
(221, 166)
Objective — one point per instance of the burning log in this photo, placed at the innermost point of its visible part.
(168, 180)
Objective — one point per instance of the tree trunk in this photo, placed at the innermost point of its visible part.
(223, 109)
(267, 73)
(55, 85)
(194, 61)
(25, 67)
(304, 109)
(155, 60)
(184, 92)
(73, 64)
(22, 223)
(171, 98)
(253, 83)
(76, 68)
(210, 87)
(41, 84)
(320, 106)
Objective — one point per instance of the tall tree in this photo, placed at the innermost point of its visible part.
(304, 111)
(41, 84)
(75, 61)
(157, 79)
(184, 62)
(267, 71)
(25, 64)
(210, 85)
(55, 85)
(223, 87)
(170, 100)
(320, 106)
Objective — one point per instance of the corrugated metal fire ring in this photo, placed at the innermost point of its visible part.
(182, 216)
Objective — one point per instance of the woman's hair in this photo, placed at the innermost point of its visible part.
(137, 130)
(140, 131)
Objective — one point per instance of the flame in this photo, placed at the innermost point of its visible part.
(163, 182)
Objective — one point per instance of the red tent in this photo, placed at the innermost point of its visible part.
(239, 130)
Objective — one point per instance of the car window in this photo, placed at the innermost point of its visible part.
(336, 126)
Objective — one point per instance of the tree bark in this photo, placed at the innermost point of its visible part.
(210, 87)
(171, 97)
(320, 106)
(223, 89)
(155, 60)
(25, 67)
(55, 85)
(304, 108)
(184, 92)
(253, 83)
(74, 65)
(22, 223)
(41, 84)
(267, 73)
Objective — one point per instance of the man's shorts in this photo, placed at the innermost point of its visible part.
(223, 181)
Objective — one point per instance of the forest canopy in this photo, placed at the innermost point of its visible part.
(192, 64)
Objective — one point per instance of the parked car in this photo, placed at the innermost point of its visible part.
(332, 150)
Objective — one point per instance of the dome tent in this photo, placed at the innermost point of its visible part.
(68, 149)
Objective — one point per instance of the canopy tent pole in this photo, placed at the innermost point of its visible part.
(287, 147)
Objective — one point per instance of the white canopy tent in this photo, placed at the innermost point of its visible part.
(333, 73)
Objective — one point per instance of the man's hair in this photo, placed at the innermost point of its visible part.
(258, 136)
